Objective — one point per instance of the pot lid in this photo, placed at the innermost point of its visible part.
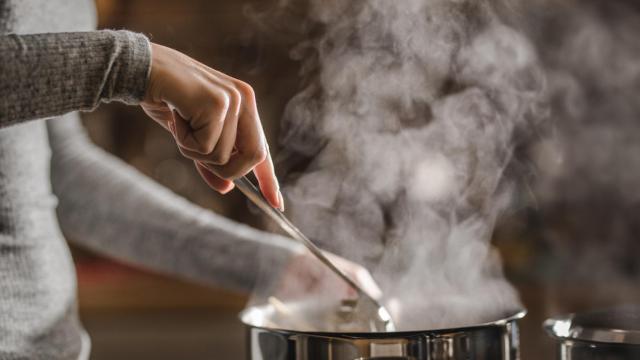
(620, 325)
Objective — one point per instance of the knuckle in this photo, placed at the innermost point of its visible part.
(198, 144)
(220, 102)
(206, 147)
(219, 158)
(245, 89)
(235, 96)
(205, 137)
(257, 155)
(235, 101)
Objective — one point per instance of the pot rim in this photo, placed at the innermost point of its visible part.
(572, 327)
(247, 313)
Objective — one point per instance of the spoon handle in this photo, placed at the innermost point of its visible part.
(253, 193)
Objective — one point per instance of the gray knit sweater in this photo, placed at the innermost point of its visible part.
(53, 178)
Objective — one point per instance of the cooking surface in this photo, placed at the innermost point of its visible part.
(149, 316)
(214, 334)
(166, 335)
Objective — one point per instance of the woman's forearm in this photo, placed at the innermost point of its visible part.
(106, 205)
(44, 75)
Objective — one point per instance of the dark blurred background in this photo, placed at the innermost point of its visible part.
(133, 314)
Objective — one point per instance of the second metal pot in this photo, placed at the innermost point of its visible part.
(612, 334)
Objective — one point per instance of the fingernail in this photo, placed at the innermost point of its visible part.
(228, 189)
(281, 201)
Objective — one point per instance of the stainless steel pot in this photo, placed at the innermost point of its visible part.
(612, 334)
(490, 341)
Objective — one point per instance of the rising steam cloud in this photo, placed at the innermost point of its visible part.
(409, 118)
(588, 157)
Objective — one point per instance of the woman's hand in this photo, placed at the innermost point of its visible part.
(305, 277)
(310, 297)
(214, 120)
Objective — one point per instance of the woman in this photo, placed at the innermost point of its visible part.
(49, 70)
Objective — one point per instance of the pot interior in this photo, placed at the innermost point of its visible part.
(304, 317)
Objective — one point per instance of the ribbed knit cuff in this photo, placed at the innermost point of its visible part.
(131, 69)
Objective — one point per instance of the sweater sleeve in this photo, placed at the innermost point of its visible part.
(45, 75)
(106, 205)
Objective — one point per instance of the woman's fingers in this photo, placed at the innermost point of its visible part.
(268, 182)
(242, 161)
(200, 133)
(219, 144)
(304, 277)
(213, 118)
(226, 143)
(251, 149)
(220, 185)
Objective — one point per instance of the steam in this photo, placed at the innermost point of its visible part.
(408, 119)
(588, 157)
